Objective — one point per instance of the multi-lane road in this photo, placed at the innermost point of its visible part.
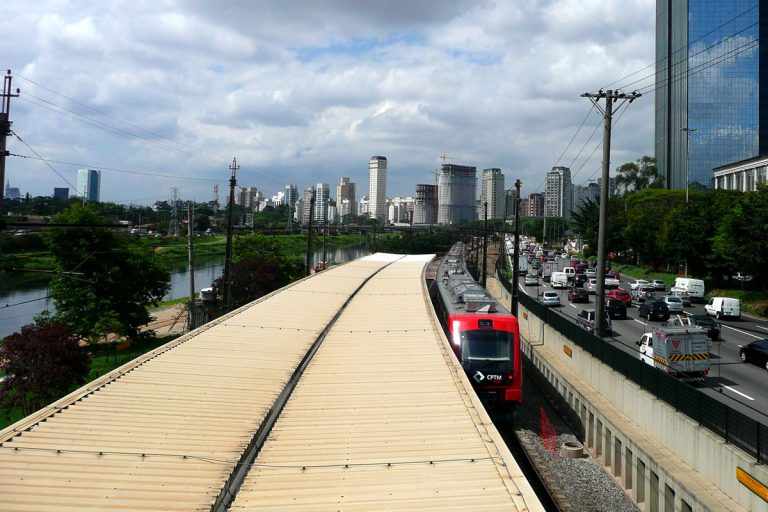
(741, 385)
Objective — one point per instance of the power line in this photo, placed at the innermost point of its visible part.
(44, 160)
(576, 133)
(682, 48)
(49, 105)
(101, 112)
(114, 169)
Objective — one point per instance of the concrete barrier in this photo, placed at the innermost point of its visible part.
(664, 460)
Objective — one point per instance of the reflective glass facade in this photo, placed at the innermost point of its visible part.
(712, 87)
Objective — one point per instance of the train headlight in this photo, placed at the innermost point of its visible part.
(456, 338)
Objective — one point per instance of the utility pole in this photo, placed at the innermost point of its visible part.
(309, 232)
(5, 127)
(544, 233)
(688, 133)
(614, 100)
(190, 263)
(485, 241)
(233, 167)
(516, 257)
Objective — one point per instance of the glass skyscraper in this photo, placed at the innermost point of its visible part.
(709, 110)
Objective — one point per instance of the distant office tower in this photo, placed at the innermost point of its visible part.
(511, 203)
(248, 197)
(584, 193)
(492, 192)
(524, 207)
(290, 195)
(711, 106)
(306, 206)
(12, 192)
(611, 186)
(345, 197)
(558, 193)
(362, 206)
(322, 195)
(399, 210)
(377, 188)
(456, 194)
(536, 204)
(89, 184)
(425, 204)
(61, 194)
(333, 212)
(298, 210)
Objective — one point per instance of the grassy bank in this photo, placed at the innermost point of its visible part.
(105, 358)
(644, 273)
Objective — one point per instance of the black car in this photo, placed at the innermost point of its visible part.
(578, 295)
(708, 323)
(653, 310)
(756, 353)
(617, 310)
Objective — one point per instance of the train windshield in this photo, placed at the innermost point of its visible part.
(486, 345)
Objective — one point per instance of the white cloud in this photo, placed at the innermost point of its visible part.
(307, 91)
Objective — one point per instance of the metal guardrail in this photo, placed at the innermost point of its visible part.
(733, 426)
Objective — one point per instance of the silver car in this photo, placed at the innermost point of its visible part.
(674, 304)
(659, 285)
(550, 299)
(531, 280)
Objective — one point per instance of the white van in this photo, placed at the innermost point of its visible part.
(723, 307)
(570, 272)
(559, 280)
(693, 287)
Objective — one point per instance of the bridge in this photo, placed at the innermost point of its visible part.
(339, 391)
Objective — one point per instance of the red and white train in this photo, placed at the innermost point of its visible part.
(484, 335)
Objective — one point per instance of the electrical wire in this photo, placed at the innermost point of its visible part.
(100, 112)
(576, 133)
(113, 169)
(13, 132)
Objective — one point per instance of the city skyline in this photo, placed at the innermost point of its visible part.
(379, 82)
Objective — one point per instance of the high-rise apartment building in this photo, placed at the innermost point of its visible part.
(290, 195)
(322, 195)
(89, 185)
(425, 204)
(400, 210)
(558, 193)
(711, 108)
(536, 204)
(510, 196)
(248, 197)
(584, 193)
(306, 206)
(456, 186)
(492, 192)
(377, 188)
(345, 197)
(362, 206)
(524, 207)
(61, 193)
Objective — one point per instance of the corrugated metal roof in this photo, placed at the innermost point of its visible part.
(164, 431)
(385, 419)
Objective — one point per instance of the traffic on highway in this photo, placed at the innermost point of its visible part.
(737, 366)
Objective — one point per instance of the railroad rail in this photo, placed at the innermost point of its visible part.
(339, 390)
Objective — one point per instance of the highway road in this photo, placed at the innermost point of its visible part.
(743, 386)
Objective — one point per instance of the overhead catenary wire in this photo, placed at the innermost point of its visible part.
(49, 105)
(114, 169)
(51, 167)
(100, 112)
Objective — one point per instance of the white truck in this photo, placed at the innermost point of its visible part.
(723, 307)
(693, 287)
(559, 280)
(682, 350)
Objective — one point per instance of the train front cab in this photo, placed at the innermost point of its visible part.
(488, 347)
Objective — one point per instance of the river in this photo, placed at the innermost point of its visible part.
(27, 302)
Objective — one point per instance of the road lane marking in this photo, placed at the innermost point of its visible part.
(742, 332)
(761, 327)
(572, 305)
(729, 388)
(639, 321)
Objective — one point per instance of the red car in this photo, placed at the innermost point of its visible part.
(621, 295)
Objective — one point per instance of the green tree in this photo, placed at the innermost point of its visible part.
(104, 282)
(639, 175)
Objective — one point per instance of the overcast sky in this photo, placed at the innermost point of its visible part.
(307, 90)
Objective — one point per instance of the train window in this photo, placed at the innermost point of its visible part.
(486, 345)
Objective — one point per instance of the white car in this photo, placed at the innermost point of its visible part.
(638, 283)
(659, 285)
(590, 272)
(674, 304)
(550, 299)
(591, 286)
(531, 280)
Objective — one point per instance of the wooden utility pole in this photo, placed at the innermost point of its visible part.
(5, 127)
(233, 167)
(613, 101)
